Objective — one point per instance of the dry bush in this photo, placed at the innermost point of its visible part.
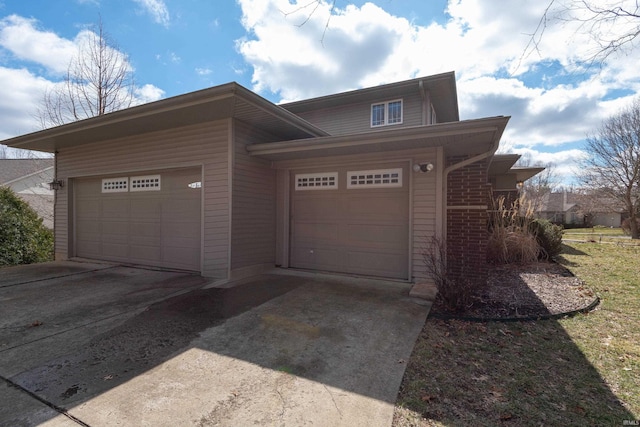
(453, 295)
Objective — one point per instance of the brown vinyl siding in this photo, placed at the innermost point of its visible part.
(204, 144)
(424, 213)
(356, 118)
(253, 203)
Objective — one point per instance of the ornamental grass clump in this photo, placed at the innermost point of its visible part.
(511, 235)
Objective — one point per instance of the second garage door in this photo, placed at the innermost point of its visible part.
(351, 220)
(150, 218)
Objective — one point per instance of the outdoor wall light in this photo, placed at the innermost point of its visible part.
(423, 167)
(519, 185)
(56, 184)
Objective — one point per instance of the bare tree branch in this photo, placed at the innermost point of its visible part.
(315, 4)
(611, 26)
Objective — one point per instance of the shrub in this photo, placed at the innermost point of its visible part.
(548, 236)
(23, 237)
(452, 295)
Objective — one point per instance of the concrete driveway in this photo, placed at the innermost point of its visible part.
(103, 345)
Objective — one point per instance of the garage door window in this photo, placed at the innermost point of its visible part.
(145, 183)
(380, 178)
(317, 181)
(115, 185)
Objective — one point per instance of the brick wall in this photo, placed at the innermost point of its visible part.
(468, 193)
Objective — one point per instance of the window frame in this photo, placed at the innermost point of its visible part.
(386, 113)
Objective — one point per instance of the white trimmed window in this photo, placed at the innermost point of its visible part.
(317, 181)
(386, 113)
(115, 185)
(379, 178)
(145, 183)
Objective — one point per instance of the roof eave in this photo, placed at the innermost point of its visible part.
(389, 140)
(47, 140)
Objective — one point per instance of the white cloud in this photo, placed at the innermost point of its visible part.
(157, 9)
(203, 71)
(25, 41)
(20, 96)
(173, 57)
(147, 93)
(552, 98)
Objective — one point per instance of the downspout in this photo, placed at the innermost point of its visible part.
(492, 149)
(426, 104)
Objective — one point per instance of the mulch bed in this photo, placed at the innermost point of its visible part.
(526, 292)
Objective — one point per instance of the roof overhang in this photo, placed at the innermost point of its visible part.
(524, 173)
(219, 102)
(502, 165)
(468, 137)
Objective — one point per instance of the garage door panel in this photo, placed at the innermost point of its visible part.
(89, 247)
(143, 254)
(382, 237)
(181, 230)
(88, 227)
(180, 207)
(111, 250)
(308, 257)
(146, 209)
(388, 207)
(150, 226)
(321, 206)
(89, 209)
(117, 229)
(316, 232)
(145, 234)
(115, 208)
(181, 257)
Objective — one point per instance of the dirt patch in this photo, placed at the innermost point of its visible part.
(518, 291)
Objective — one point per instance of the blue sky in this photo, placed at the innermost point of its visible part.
(178, 46)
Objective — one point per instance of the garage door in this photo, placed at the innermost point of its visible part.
(143, 218)
(351, 220)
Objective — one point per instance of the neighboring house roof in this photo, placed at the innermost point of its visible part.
(565, 201)
(29, 178)
(13, 170)
(557, 202)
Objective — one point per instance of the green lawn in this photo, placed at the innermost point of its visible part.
(583, 370)
(596, 231)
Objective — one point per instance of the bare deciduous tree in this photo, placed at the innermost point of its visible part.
(613, 162)
(99, 80)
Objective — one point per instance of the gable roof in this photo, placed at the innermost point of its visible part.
(12, 170)
(219, 102)
(441, 89)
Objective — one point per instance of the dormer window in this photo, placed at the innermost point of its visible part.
(386, 113)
